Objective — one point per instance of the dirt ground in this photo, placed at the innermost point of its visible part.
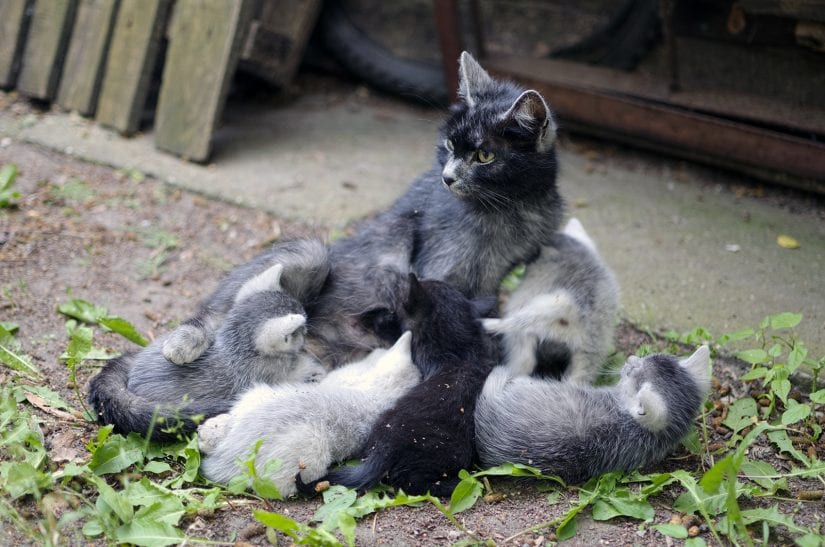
(149, 253)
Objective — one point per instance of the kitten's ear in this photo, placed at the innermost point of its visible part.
(472, 79)
(574, 229)
(403, 344)
(530, 112)
(698, 366)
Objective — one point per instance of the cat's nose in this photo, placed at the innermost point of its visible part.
(448, 179)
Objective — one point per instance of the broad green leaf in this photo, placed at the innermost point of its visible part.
(12, 358)
(753, 356)
(9, 327)
(741, 414)
(124, 328)
(775, 350)
(754, 374)
(567, 529)
(156, 467)
(82, 310)
(168, 509)
(52, 398)
(336, 500)
(346, 524)
(114, 455)
(676, 531)
(466, 493)
(8, 174)
(264, 487)
(818, 397)
(116, 501)
(22, 478)
(735, 336)
(92, 528)
(781, 388)
(795, 412)
(622, 506)
(759, 472)
(783, 442)
(148, 532)
(797, 356)
(810, 540)
(785, 320)
(714, 476)
(695, 542)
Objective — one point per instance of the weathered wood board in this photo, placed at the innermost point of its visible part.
(204, 44)
(278, 37)
(48, 36)
(13, 26)
(86, 59)
(133, 51)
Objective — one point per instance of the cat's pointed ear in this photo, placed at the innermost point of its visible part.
(403, 344)
(472, 79)
(698, 366)
(574, 229)
(530, 112)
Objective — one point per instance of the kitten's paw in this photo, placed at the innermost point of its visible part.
(185, 344)
(633, 369)
(267, 280)
(212, 431)
(281, 334)
(308, 371)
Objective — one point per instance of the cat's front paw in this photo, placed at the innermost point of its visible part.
(185, 344)
(212, 431)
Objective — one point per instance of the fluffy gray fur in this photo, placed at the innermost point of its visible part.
(260, 341)
(577, 431)
(465, 221)
(560, 321)
(305, 428)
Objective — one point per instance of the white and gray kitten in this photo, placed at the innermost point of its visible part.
(260, 341)
(307, 427)
(560, 321)
(578, 431)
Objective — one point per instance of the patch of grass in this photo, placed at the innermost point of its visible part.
(8, 196)
(129, 490)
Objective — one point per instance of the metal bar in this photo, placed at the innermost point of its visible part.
(659, 124)
(449, 37)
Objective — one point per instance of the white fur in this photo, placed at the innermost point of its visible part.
(307, 427)
(574, 229)
(268, 280)
(281, 334)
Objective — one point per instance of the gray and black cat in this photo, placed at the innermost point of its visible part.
(489, 202)
(259, 342)
(578, 431)
(422, 442)
(559, 323)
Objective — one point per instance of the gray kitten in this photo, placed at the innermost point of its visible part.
(260, 341)
(305, 428)
(560, 321)
(488, 203)
(577, 431)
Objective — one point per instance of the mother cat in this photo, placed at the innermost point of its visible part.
(488, 203)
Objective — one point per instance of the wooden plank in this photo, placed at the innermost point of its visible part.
(278, 37)
(51, 26)
(204, 43)
(133, 51)
(86, 59)
(13, 26)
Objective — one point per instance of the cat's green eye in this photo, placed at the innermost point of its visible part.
(449, 144)
(484, 156)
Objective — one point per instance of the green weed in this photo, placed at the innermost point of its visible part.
(8, 197)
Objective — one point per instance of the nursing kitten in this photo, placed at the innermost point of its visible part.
(305, 428)
(427, 437)
(260, 341)
(488, 203)
(577, 431)
(559, 322)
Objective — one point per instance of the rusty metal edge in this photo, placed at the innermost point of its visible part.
(680, 131)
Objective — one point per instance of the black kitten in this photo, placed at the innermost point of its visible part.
(422, 443)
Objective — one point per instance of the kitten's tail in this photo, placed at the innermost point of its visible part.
(116, 405)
